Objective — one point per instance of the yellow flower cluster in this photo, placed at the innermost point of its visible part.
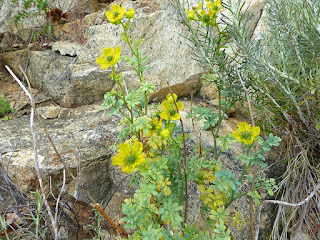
(207, 15)
(110, 56)
(213, 198)
(116, 14)
(129, 155)
(155, 126)
(246, 133)
(170, 108)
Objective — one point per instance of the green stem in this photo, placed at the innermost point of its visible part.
(138, 70)
(124, 115)
(216, 134)
(145, 103)
(135, 53)
(244, 171)
(123, 97)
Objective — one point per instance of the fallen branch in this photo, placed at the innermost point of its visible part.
(35, 149)
(307, 199)
(123, 233)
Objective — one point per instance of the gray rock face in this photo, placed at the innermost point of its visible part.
(66, 48)
(82, 140)
(73, 82)
(71, 77)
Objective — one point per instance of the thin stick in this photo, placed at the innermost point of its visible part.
(123, 233)
(307, 199)
(255, 170)
(35, 149)
(184, 157)
(59, 196)
(54, 147)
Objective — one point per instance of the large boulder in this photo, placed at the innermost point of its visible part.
(83, 142)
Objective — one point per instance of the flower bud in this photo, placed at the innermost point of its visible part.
(130, 13)
(206, 18)
(191, 16)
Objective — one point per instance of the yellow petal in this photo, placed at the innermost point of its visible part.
(167, 191)
(124, 149)
(179, 105)
(118, 159)
(137, 147)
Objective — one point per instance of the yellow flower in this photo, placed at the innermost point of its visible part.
(165, 133)
(215, 7)
(109, 57)
(156, 125)
(167, 191)
(246, 133)
(129, 155)
(193, 11)
(196, 9)
(115, 14)
(202, 13)
(164, 184)
(169, 109)
(191, 15)
(130, 13)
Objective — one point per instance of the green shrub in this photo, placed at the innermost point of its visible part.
(5, 108)
(281, 68)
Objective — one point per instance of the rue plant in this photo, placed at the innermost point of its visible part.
(152, 144)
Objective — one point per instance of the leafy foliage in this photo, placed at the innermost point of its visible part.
(5, 108)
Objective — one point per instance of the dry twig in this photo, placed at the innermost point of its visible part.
(35, 148)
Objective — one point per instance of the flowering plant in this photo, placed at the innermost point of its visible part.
(153, 146)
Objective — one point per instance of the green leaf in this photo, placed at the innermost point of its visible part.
(256, 197)
(221, 232)
(137, 42)
(142, 124)
(147, 87)
(250, 178)
(199, 112)
(224, 142)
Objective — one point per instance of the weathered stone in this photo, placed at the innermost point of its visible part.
(83, 141)
(169, 57)
(209, 91)
(49, 112)
(66, 48)
(261, 26)
(73, 9)
(82, 82)
(15, 59)
(59, 77)
(5, 12)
